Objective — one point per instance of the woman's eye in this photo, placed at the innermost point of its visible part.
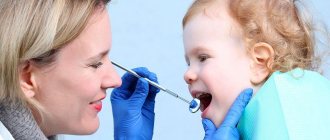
(202, 58)
(96, 65)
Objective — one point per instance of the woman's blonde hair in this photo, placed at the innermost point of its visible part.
(283, 24)
(34, 31)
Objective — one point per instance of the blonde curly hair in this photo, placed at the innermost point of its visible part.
(283, 24)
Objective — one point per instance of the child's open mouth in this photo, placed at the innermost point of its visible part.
(205, 99)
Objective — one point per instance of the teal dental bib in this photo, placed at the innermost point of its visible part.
(294, 105)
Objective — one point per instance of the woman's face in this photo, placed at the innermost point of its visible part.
(71, 90)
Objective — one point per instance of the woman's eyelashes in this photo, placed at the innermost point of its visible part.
(96, 65)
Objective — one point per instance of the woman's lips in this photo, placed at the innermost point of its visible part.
(97, 105)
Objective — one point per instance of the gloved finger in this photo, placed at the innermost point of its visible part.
(144, 72)
(153, 77)
(237, 108)
(129, 82)
(126, 89)
(140, 94)
(152, 89)
(226, 133)
(209, 128)
(120, 94)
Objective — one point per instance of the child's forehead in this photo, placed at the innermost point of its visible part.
(201, 28)
(214, 11)
(210, 8)
(216, 17)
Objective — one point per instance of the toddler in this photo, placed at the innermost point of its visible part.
(231, 45)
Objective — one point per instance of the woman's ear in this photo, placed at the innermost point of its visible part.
(27, 79)
(262, 57)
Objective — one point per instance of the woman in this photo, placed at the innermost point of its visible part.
(54, 66)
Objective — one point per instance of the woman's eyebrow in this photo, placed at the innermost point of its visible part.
(98, 56)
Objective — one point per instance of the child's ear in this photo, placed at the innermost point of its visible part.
(262, 57)
(27, 80)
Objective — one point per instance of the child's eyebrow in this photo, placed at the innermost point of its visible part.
(197, 49)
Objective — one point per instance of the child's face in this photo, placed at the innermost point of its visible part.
(219, 65)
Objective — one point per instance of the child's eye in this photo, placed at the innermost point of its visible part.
(203, 57)
(96, 65)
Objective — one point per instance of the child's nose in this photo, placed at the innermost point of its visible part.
(190, 76)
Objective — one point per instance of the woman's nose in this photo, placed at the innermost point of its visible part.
(190, 76)
(111, 79)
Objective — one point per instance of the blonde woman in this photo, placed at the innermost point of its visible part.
(55, 69)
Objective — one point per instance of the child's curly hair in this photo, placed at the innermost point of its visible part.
(283, 24)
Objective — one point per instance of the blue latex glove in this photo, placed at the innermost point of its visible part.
(133, 106)
(228, 130)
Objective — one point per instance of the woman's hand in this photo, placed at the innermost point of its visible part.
(133, 106)
(228, 130)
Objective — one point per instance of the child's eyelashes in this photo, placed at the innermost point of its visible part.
(96, 65)
(199, 58)
(203, 57)
(188, 63)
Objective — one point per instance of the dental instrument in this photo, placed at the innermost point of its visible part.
(194, 105)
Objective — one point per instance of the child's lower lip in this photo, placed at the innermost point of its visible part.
(204, 113)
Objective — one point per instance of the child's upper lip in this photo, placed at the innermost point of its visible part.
(196, 93)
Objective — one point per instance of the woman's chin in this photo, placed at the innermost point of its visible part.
(89, 128)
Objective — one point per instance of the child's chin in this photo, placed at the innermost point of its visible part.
(210, 114)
